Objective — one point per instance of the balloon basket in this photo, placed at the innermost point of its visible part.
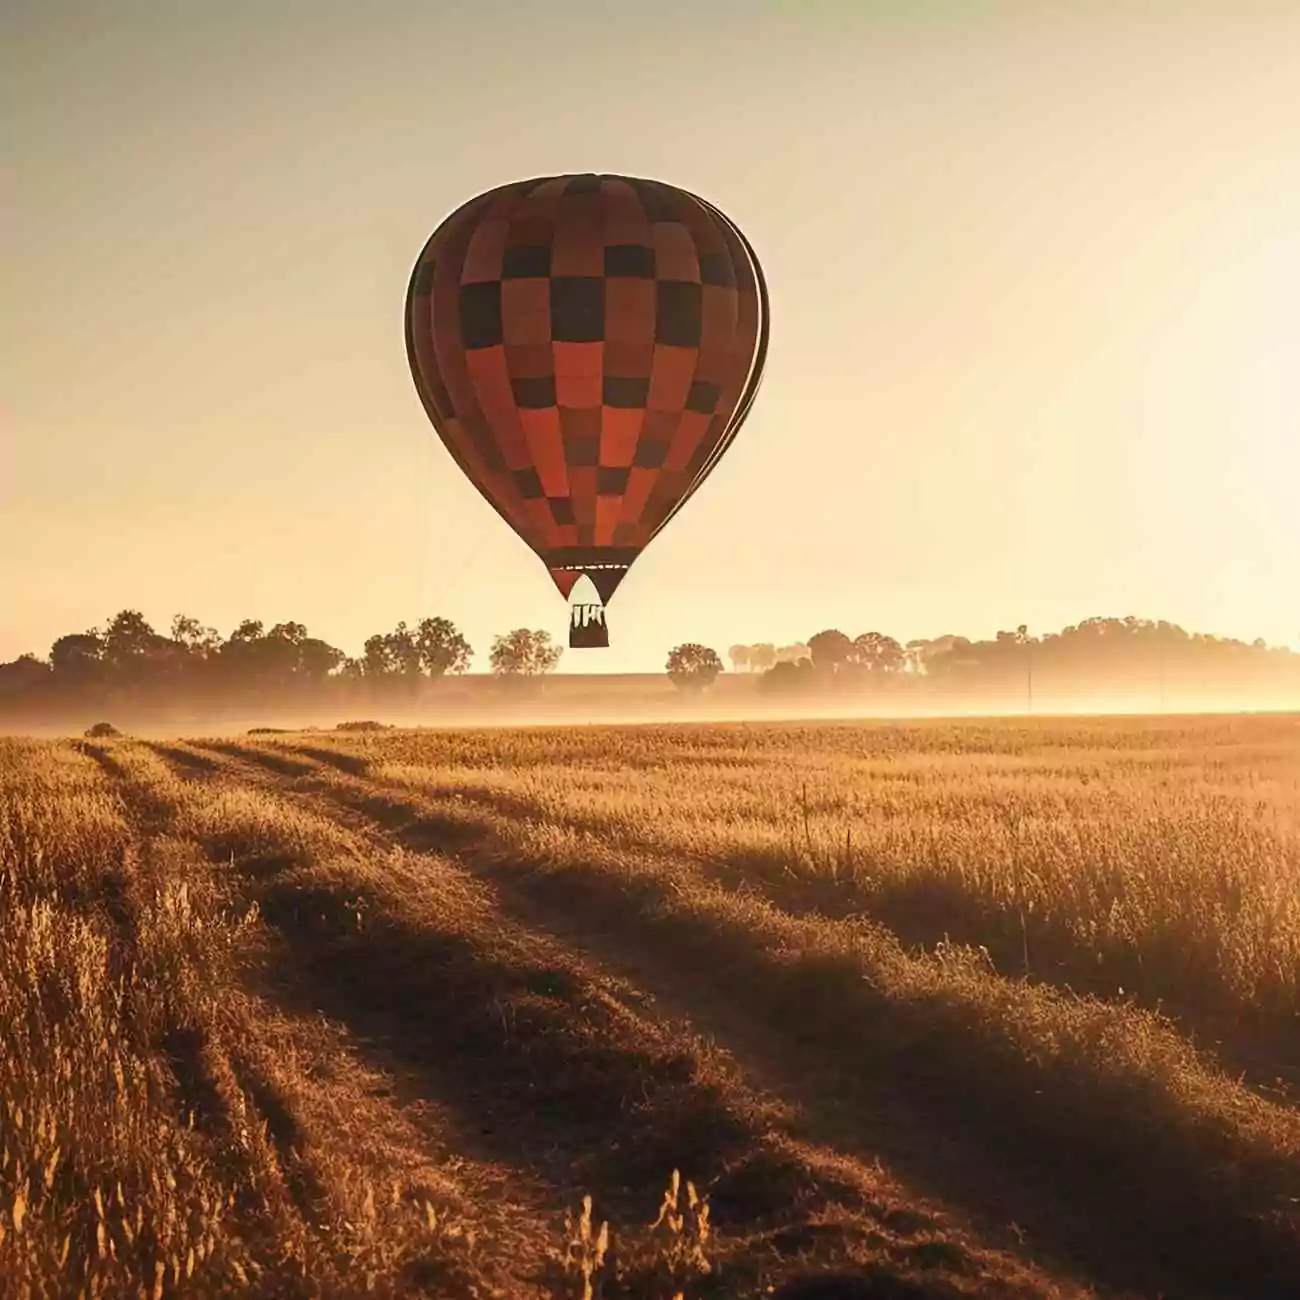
(588, 629)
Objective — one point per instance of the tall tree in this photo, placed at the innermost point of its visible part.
(790, 676)
(292, 633)
(830, 649)
(285, 659)
(376, 659)
(249, 630)
(877, 653)
(317, 659)
(403, 653)
(524, 653)
(692, 667)
(441, 647)
(200, 641)
(130, 643)
(27, 673)
(78, 659)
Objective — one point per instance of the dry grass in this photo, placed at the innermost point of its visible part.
(363, 1014)
(105, 965)
(1156, 861)
(148, 1127)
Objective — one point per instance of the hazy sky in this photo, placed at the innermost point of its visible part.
(1035, 282)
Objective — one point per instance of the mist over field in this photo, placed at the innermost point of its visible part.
(194, 679)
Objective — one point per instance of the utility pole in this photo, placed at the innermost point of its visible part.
(1023, 633)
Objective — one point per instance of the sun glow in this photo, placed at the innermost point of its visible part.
(1230, 370)
(1264, 362)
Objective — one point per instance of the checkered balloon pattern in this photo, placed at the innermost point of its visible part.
(587, 347)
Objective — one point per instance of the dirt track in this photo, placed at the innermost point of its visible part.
(568, 1062)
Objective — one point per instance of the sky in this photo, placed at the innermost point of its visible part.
(1035, 296)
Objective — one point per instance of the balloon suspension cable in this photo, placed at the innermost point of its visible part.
(587, 627)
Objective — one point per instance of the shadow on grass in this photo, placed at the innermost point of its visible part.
(274, 758)
(1139, 1201)
(191, 760)
(546, 1069)
(531, 1054)
(353, 764)
(1045, 1122)
(924, 912)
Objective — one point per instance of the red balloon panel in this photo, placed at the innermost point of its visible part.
(582, 345)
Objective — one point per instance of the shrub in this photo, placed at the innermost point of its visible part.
(693, 666)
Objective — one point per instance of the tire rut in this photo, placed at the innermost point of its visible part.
(924, 915)
(677, 997)
(225, 1089)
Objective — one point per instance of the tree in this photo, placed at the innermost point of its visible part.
(197, 639)
(524, 653)
(739, 656)
(132, 647)
(249, 630)
(762, 656)
(285, 659)
(693, 667)
(26, 673)
(78, 658)
(830, 649)
(293, 633)
(789, 676)
(938, 656)
(128, 635)
(352, 670)
(441, 647)
(877, 653)
(317, 659)
(434, 647)
(279, 654)
(403, 653)
(376, 658)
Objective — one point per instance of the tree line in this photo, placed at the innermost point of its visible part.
(1151, 658)
(128, 663)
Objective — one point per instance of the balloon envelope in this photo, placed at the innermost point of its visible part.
(586, 348)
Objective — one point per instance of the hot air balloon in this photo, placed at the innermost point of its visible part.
(587, 347)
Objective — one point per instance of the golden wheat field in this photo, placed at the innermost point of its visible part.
(895, 1010)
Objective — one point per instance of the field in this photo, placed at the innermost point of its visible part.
(899, 1010)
